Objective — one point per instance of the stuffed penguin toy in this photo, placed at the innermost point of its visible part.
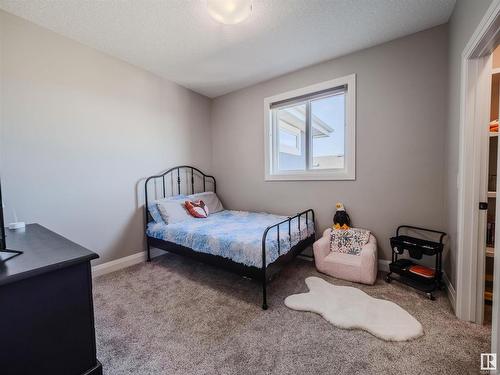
(341, 219)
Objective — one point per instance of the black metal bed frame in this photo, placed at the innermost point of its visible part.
(263, 274)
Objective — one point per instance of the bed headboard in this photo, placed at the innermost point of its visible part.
(182, 179)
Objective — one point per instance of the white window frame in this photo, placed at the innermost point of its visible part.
(349, 170)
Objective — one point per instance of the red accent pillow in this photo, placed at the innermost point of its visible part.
(197, 209)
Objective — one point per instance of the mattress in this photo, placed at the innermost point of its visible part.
(236, 235)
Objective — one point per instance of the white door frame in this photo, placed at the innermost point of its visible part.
(482, 66)
(474, 115)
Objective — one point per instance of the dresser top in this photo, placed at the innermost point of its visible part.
(43, 251)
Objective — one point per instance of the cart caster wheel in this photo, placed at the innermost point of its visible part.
(387, 279)
(431, 296)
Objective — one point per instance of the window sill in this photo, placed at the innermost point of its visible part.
(325, 176)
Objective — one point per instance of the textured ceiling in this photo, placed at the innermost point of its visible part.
(178, 40)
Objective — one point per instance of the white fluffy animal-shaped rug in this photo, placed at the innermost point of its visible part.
(348, 307)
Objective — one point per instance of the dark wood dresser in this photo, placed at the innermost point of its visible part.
(46, 308)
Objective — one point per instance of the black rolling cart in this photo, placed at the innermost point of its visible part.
(417, 248)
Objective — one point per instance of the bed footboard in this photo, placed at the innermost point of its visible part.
(309, 216)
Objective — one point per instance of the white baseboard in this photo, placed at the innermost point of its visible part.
(121, 263)
(383, 265)
(452, 294)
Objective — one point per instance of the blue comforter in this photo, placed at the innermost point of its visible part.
(236, 235)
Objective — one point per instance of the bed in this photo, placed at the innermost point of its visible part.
(252, 244)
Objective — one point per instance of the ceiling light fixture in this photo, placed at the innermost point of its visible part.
(229, 12)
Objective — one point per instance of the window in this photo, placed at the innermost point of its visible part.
(310, 132)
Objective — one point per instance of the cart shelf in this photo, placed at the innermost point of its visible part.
(416, 248)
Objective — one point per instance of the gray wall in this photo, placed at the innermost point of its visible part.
(463, 22)
(401, 119)
(80, 129)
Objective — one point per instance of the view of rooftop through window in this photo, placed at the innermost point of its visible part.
(327, 133)
(328, 141)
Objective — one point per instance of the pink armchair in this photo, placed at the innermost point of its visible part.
(360, 268)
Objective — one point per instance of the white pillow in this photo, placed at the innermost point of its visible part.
(173, 211)
(154, 210)
(210, 199)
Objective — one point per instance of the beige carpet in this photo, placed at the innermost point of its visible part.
(177, 316)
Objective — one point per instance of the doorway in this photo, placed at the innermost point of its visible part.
(492, 173)
(475, 179)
